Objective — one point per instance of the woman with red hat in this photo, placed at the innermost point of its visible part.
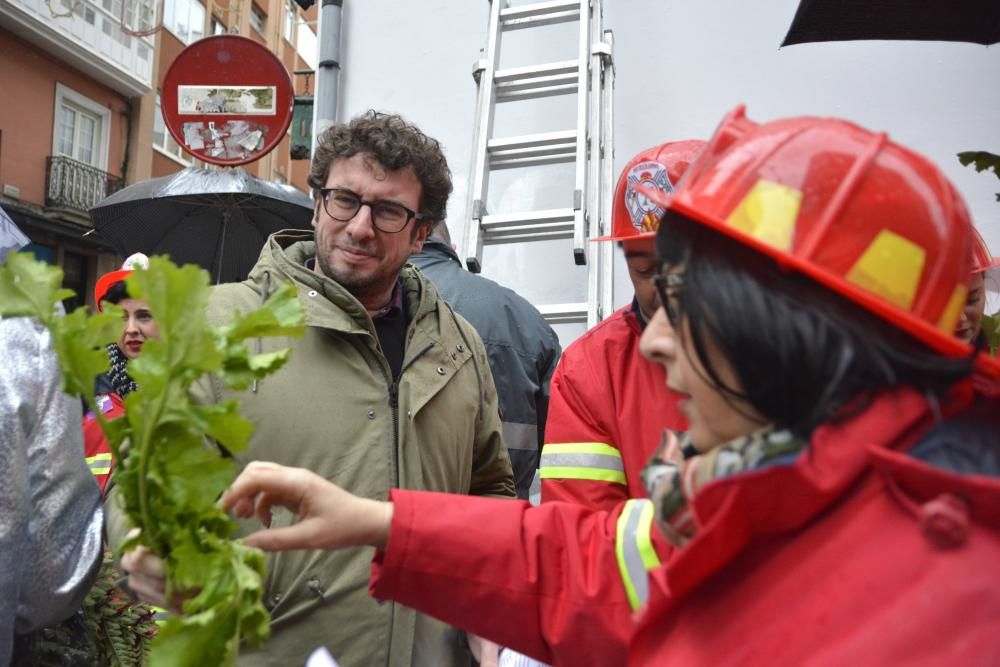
(827, 504)
(970, 325)
(112, 387)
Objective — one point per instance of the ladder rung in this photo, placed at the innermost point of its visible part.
(540, 13)
(532, 149)
(564, 313)
(544, 225)
(559, 78)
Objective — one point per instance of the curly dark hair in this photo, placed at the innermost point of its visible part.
(396, 144)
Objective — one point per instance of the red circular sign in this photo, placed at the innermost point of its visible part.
(227, 100)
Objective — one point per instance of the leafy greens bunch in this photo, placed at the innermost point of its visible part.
(167, 476)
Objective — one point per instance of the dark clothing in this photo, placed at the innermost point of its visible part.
(967, 444)
(390, 327)
(522, 348)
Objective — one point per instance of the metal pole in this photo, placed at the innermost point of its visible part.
(328, 68)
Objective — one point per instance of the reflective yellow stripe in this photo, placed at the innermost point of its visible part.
(581, 448)
(634, 550)
(99, 464)
(594, 474)
(596, 461)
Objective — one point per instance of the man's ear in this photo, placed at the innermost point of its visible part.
(419, 236)
(315, 217)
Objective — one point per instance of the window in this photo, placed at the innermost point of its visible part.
(291, 17)
(217, 28)
(185, 19)
(81, 128)
(163, 140)
(306, 45)
(258, 18)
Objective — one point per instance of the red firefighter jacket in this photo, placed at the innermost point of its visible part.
(95, 445)
(607, 412)
(853, 553)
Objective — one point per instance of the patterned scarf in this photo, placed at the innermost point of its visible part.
(118, 373)
(672, 480)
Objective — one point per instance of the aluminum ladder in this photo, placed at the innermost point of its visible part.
(588, 146)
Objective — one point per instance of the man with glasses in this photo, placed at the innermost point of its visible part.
(388, 388)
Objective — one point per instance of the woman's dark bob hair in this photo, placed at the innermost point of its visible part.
(116, 292)
(801, 352)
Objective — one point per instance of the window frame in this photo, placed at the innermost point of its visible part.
(170, 15)
(66, 96)
(179, 156)
(257, 12)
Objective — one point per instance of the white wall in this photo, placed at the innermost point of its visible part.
(680, 66)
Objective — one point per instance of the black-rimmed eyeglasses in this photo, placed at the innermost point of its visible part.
(387, 216)
(664, 283)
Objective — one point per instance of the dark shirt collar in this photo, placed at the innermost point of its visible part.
(394, 306)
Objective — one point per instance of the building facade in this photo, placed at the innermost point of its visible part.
(82, 117)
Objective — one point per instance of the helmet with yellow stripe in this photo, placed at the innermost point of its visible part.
(851, 209)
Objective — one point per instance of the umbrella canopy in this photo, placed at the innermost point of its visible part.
(217, 219)
(11, 236)
(976, 21)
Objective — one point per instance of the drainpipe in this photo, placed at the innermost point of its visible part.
(328, 68)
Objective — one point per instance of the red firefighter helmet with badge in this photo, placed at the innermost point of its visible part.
(660, 168)
(847, 207)
(135, 261)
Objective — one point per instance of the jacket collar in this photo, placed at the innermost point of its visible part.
(434, 246)
(283, 258)
(780, 499)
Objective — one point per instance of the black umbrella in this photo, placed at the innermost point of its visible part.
(976, 21)
(217, 219)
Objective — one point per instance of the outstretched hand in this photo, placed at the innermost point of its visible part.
(328, 516)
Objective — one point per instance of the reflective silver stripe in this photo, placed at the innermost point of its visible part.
(520, 436)
(599, 461)
(635, 551)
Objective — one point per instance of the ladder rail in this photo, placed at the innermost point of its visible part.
(589, 146)
(476, 196)
(582, 107)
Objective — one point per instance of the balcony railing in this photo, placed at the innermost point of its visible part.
(77, 186)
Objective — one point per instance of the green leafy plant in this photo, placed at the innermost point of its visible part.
(982, 161)
(991, 330)
(167, 475)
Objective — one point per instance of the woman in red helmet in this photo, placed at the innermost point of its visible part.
(112, 387)
(970, 326)
(842, 501)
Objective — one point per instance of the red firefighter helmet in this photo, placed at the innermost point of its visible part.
(132, 262)
(845, 206)
(982, 258)
(659, 167)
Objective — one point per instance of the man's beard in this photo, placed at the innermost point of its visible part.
(361, 286)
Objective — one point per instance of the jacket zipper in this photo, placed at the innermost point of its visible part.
(394, 407)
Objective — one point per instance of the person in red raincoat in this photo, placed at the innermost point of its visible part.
(112, 387)
(842, 505)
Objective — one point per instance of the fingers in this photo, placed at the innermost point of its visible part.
(278, 484)
(304, 535)
(146, 576)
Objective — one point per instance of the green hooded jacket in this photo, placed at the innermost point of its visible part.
(335, 410)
